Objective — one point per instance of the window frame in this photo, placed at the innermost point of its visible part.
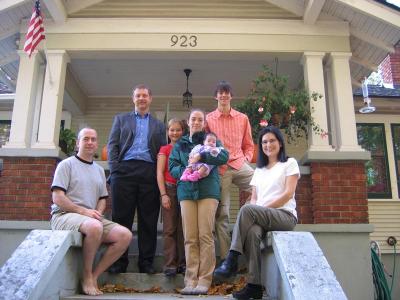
(377, 195)
(397, 169)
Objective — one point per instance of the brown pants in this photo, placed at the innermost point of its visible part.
(174, 252)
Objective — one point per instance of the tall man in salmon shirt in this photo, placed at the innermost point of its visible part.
(233, 129)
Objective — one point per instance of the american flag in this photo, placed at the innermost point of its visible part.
(35, 31)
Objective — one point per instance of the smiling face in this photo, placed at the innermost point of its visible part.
(270, 146)
(175, 132)
(196, 121)
(87, 143)
(142, 100)
(224, 99)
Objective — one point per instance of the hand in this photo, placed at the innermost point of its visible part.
(92, 213)
(166, 202)
(195, 158)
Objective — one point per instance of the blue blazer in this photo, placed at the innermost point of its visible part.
(122, 135)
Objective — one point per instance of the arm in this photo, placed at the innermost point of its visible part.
(247, 143)
(253, 199)
(220, 159)
(175, 164)
(113, 142)
(67, 205)
(290, 188)
(165, 201)
(101, 206)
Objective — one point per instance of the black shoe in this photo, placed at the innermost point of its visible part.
(149, 269)
(170, 272)
(249, 292)
(181, 270)
(117, 268)
(226, 270)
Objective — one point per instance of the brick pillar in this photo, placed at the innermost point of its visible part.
(395, 65)
(25, 188)
(339, 192)
(303, 200)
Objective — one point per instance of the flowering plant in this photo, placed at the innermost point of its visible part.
(272, 102)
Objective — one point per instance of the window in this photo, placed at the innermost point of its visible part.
(372, 138)
(5, 126)
(396, 152)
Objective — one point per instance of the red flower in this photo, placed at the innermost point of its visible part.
(264, 123)
(260, 109)
(292, 109)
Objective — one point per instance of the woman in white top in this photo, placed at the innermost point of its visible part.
(272, 207)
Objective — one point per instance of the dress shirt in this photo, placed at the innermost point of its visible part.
(140, 149)
(234, 131)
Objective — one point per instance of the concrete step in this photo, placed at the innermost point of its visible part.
(142, 296)
(143, 282)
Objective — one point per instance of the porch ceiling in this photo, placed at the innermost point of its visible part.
(373, 28)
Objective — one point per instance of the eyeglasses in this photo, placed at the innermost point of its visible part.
(265, 142)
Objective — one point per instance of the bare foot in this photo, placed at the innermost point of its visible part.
(89, 288)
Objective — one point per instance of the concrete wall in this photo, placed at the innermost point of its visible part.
(12, 233)
(346, 247)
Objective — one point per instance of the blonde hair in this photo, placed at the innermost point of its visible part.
(173, 121)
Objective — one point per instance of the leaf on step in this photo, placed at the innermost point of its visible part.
(227, 288)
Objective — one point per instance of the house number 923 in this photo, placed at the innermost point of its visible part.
(183, 41)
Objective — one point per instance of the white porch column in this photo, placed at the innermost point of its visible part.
(314, 82)
(344, 118)
(24, 102)
(53, 93)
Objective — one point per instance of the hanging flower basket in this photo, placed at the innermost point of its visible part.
(272, 102)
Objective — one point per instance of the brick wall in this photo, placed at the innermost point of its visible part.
(335, 192)
(25, 188)
(390, 67)
(395, 64)
(339, 193)
(303, 200)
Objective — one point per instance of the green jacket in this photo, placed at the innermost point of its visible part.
(207, 187)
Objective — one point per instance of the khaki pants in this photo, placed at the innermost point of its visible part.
(198, 217)
(241, 178)
(252, 224)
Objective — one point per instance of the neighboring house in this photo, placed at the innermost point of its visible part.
(97, 50)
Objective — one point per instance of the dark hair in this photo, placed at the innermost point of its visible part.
(197, 109)
(262, 159)
(210, 133)
(141, 86)
(223, 86)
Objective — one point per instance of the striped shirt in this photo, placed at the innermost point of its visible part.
(235, 133)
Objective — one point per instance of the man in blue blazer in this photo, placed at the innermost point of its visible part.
(133, 145)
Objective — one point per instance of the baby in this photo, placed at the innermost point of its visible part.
(197, 170)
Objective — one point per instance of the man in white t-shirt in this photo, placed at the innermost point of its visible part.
(79, 195)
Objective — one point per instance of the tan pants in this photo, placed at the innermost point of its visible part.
(241, 178)
(198, 217)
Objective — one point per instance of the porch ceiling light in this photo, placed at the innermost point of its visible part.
(187, 96)
(367, 108)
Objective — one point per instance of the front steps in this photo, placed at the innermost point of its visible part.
(139, 281)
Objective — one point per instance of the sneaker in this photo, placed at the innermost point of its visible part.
(195, 176)
(187, 290)
(200, 290)
(185, 175)
(253, 291)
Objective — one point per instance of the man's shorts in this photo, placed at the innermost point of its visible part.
(73, 221)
